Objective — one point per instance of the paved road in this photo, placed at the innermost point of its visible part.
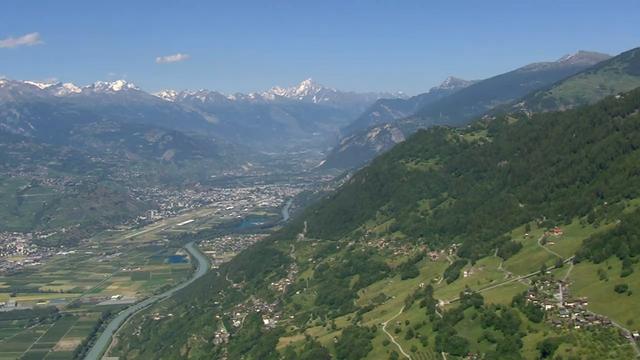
(517, 278)
(103, 342)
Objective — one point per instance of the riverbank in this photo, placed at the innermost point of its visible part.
(104, 340)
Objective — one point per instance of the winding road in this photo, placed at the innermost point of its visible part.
(393, 340)
(105, 338)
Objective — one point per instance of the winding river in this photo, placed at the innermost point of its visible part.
(285, 210)
(103, 342)
(105, 338)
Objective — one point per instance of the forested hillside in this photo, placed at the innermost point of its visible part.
(470, 185)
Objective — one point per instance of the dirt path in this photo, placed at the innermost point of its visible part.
(546, 248)
(393, 340)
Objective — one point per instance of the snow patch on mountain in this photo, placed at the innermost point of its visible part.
(167, 95)
(111, 86)
(39, 85)
(452, 83)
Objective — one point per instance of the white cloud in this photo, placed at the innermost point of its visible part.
(24, 40)
(172, 58)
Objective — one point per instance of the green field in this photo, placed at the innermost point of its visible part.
(130, 263)
(585, 281)
(498, 281)
(55, 340)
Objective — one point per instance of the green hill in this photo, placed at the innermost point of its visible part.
(470, 185)
(610, 77)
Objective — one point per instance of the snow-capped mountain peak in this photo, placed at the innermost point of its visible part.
(167, 95)
(55, 88)
(307, 87)
(451, 83)
(65, 89)
(305, 90)
(583, 57)
(112, 86)
(40, 85)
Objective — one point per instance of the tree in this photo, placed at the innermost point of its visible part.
(409, 334)
(354, 343)
(548, 346)
(621, 288)
(543, 269)
(559, 263)
(457, 346)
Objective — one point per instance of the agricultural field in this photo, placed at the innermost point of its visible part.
(132, 264)
(87, 275)
(108, 272)
(55, 339)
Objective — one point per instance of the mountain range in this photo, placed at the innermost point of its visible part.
(462, 104)
(308, 115)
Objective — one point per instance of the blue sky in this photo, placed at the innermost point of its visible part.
(252, 45)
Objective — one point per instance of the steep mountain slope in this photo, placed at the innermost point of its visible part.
(619, 74)
(460, 107)
(386, 110)
(485, 95)
(443, 184)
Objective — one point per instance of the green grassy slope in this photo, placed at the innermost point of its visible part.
(610, 77)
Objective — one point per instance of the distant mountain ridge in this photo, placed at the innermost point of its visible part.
(609, 77)
(458, 107)
(307, 91)
(386, 110)
(306, 115)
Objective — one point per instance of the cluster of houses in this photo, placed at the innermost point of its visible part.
(562, 309)
(222, 249)
(268, 311)
(232, 201)
(221, 336)
(19, 250)
(282, 284)
(556, 231)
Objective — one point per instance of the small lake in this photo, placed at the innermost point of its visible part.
(177, 259)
